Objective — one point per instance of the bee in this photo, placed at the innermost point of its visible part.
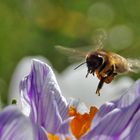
(105, 64)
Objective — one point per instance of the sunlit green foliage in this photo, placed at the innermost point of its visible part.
(34, 27)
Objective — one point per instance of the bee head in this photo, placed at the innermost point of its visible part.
(93, 61)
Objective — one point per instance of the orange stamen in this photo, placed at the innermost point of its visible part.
(52, 137)
(55, 137)
(80, 124)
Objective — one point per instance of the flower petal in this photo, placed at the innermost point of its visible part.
(132, 130)
(15, 126)
(41, 93)
(116, 119)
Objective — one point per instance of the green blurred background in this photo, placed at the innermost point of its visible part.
(34, 27)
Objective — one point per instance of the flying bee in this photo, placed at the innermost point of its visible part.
(105, 64)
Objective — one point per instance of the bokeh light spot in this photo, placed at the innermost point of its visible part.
(120, 37)
(100, 14)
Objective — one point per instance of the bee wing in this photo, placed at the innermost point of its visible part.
(134, 64)
(75, 54)
(100, 36)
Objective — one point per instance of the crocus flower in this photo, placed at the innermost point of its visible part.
(119, 119)
(43, 102)
(48, 111)
(16, 126)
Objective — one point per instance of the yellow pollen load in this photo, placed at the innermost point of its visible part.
(80, 124)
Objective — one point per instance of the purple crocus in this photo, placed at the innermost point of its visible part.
(119, 119)
(50, 116)
(16, 126)
(42, 101)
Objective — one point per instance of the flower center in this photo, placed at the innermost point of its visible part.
(55, 137)
(81, 123)
(52, 137)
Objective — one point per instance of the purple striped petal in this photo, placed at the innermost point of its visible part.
(39, 133)
(118, 119)
(42, 97)
(15, 126)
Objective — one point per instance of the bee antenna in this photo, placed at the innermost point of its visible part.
(79, 65)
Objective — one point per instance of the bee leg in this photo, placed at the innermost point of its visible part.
(111, 72)
(102, 67)
(87, 73)
(93, 71)
(114, 74)
(100, 85)
(90, 72)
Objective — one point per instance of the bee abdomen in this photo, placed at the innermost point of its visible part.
(121, 67)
